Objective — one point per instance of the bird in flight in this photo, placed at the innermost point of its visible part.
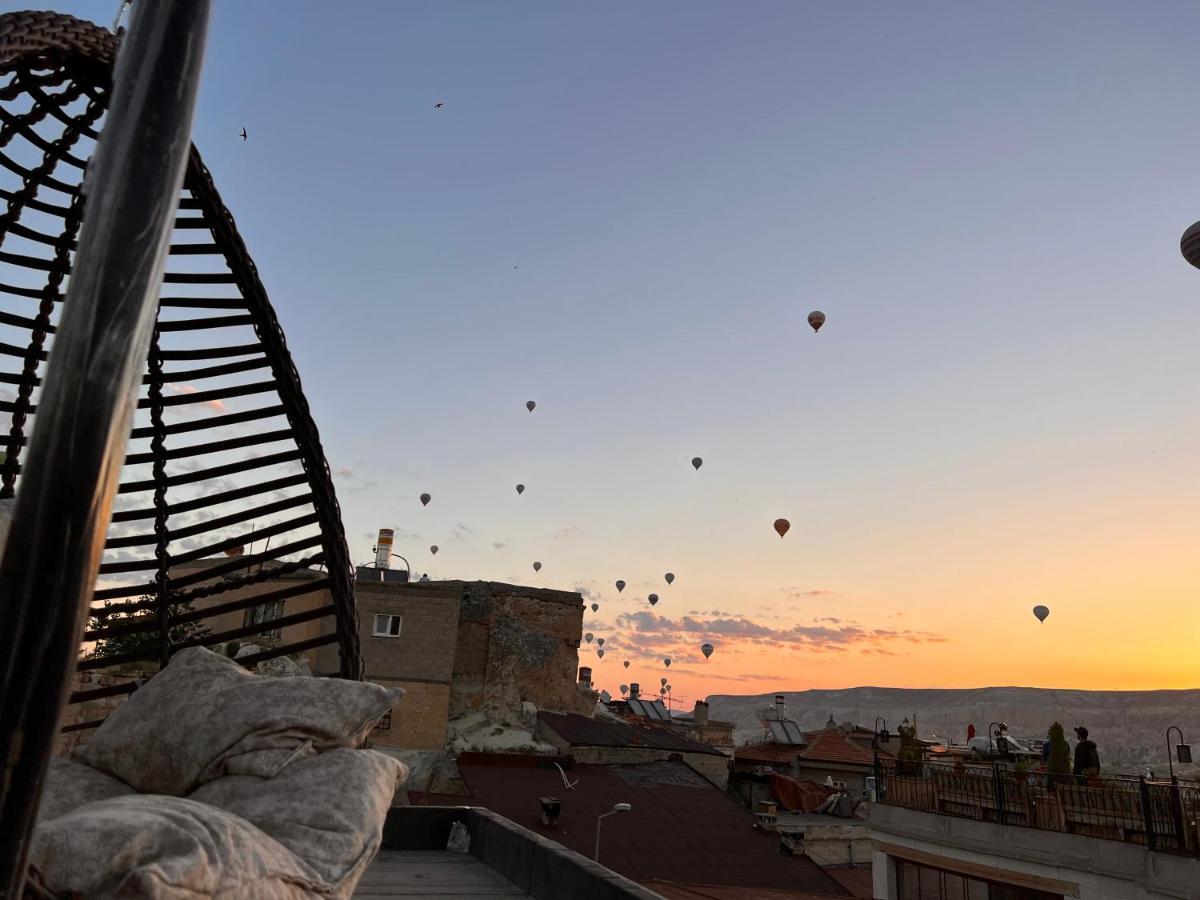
(243, 132)
(438, 105)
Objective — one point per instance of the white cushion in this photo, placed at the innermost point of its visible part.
(163, 848)
(203, 709)
(327, 809)
(69, 785)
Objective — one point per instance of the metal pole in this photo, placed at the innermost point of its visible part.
(89, 394)
(596, 849)
(1170, 756)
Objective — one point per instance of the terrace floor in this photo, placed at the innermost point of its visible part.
(432, 873)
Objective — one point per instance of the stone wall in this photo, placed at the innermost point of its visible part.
(418, 721)
(530, 654)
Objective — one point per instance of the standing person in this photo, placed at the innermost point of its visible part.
(1087, 757)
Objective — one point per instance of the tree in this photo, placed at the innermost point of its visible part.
(144, 643)
(1059, 761)
(910, 753)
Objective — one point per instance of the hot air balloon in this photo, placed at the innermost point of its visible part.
(662, 691)
(520, 489)
(697, 462)
(627, 664)
(600, 653)
(653, 598)
(530, 405)
(588, 637)
(669, 577)
(668, 687)
(624, 689)
(667, 661)
(595, 607)
(600, 641)
(434, 549)
(707, 650)
(1041, 612)
(816, 319)
(425, 498)
(663, 681)
(782, 526)
(537, 567)
(620, 586)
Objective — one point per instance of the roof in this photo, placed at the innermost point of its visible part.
(766, 754)
(584, 731)
(676, 891)
(856, 879)
(680, 828)
(832, 746)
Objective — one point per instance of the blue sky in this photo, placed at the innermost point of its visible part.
(626, 211)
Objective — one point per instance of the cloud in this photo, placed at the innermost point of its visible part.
(566, 533)
(343, 472)
(179, 389)
(500, 545)
(797, 593)
(461, 531)
(827, 634)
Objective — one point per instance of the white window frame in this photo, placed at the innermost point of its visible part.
(840, 785)
(388, 620)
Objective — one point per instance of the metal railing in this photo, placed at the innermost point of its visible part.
(1160, 815)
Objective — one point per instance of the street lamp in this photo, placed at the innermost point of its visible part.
(881, 734)
(618, 808)
(1000, 743)
(1184, 750)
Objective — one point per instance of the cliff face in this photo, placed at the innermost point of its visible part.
(517, 645)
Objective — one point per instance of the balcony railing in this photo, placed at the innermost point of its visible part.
(1159, 815)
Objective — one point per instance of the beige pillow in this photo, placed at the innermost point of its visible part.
(71, 784)
(203, 709)
(327, 809)
(163, 848)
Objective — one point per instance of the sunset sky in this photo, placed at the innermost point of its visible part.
(625, 211)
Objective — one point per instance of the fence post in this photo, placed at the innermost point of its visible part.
(1147, 814)
(998, 791)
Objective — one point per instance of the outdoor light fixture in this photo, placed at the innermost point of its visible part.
(617, 808)
(1182, 751)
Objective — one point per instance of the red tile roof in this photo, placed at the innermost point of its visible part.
(681, 828)
(674, 891)
(857, 880)
(768, 754)
(585, 731)
(831, 746)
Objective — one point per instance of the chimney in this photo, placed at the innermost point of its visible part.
(585, 676)
(635, 690)
(383, 548)
(780, 706)
(700, 715)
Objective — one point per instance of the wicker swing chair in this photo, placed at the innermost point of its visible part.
(224, 453)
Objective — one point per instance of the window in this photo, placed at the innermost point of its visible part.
(841, 785)
(918, 882)
(385, 723)
(263, 613)
(387, 626)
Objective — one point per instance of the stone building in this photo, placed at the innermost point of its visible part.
(455, 647)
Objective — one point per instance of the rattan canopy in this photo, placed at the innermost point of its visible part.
(226, 503)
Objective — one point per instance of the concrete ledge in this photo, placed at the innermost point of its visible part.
(544, 868)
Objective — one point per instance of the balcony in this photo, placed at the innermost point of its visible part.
(1157, 815)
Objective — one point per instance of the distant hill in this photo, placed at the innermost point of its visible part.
(1129, 726)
